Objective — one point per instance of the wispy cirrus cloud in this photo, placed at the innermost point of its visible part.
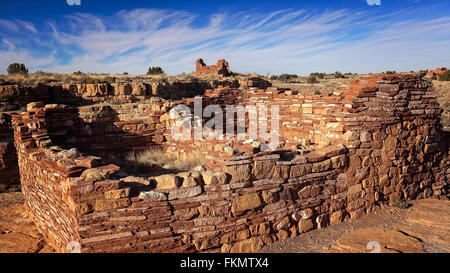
(294, 41)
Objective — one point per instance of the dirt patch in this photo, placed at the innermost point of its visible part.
(18, 234)
(316, 240)
(324, 86)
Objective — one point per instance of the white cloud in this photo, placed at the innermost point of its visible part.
(292, 41)
(8, 26)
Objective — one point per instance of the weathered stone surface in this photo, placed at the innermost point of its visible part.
(190, 179)
(429, 221)
(390, 143)
(239, 173)
(152, 196)
(94, 175)
(365, 136)
(33, 105)
(336, 217)
(251, 245)
(338, 161)
(389, 241)
(354, 189)
(321, 166)
(263, 169)
(117, 194)
(214, 178)
(167, 181)
(305, 225)
(431, 212)
(300, 170)
(246, 202)
(102, 205)
(185, 192)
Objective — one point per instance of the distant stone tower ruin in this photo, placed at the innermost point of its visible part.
(436, 73)
(220, 69)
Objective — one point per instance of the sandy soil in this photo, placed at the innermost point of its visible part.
(316, 240)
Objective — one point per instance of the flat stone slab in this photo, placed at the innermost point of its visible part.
(18, 234)
(431, 212)
(376, 240)
(429, 221)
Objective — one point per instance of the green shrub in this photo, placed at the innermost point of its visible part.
(312, 79)
(317, 92)
(318, 75)
(338, 75)
(402, 204)
(287, 77)
(16, 68)
(155, 70)
(390, 72)
(445, 76)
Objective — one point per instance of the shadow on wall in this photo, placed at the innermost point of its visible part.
(106, 136)
(9, 169)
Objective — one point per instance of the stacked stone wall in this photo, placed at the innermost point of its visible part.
(389, 147)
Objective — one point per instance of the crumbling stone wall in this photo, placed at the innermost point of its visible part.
(82, 201)
(16, 97)
(390, 148)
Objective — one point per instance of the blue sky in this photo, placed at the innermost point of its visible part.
(267, 37)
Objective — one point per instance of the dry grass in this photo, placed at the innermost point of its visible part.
(73, 78)
(327, 85)
(48, 78)
(152, 160)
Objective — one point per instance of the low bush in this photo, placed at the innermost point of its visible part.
(318, 75)
(155, 70)
(312, 79)
(445, 76)
(402, 205)
(16, 68)
(338, 75)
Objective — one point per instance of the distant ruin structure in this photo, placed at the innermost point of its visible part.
(220, 69)
(436, 73)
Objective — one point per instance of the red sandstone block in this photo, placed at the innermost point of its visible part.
(81, 187)
(106, 185)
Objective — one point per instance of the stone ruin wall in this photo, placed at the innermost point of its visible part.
(221, 68)
(436, 73)
(20, 95)
(387, 146)
(16, 97)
